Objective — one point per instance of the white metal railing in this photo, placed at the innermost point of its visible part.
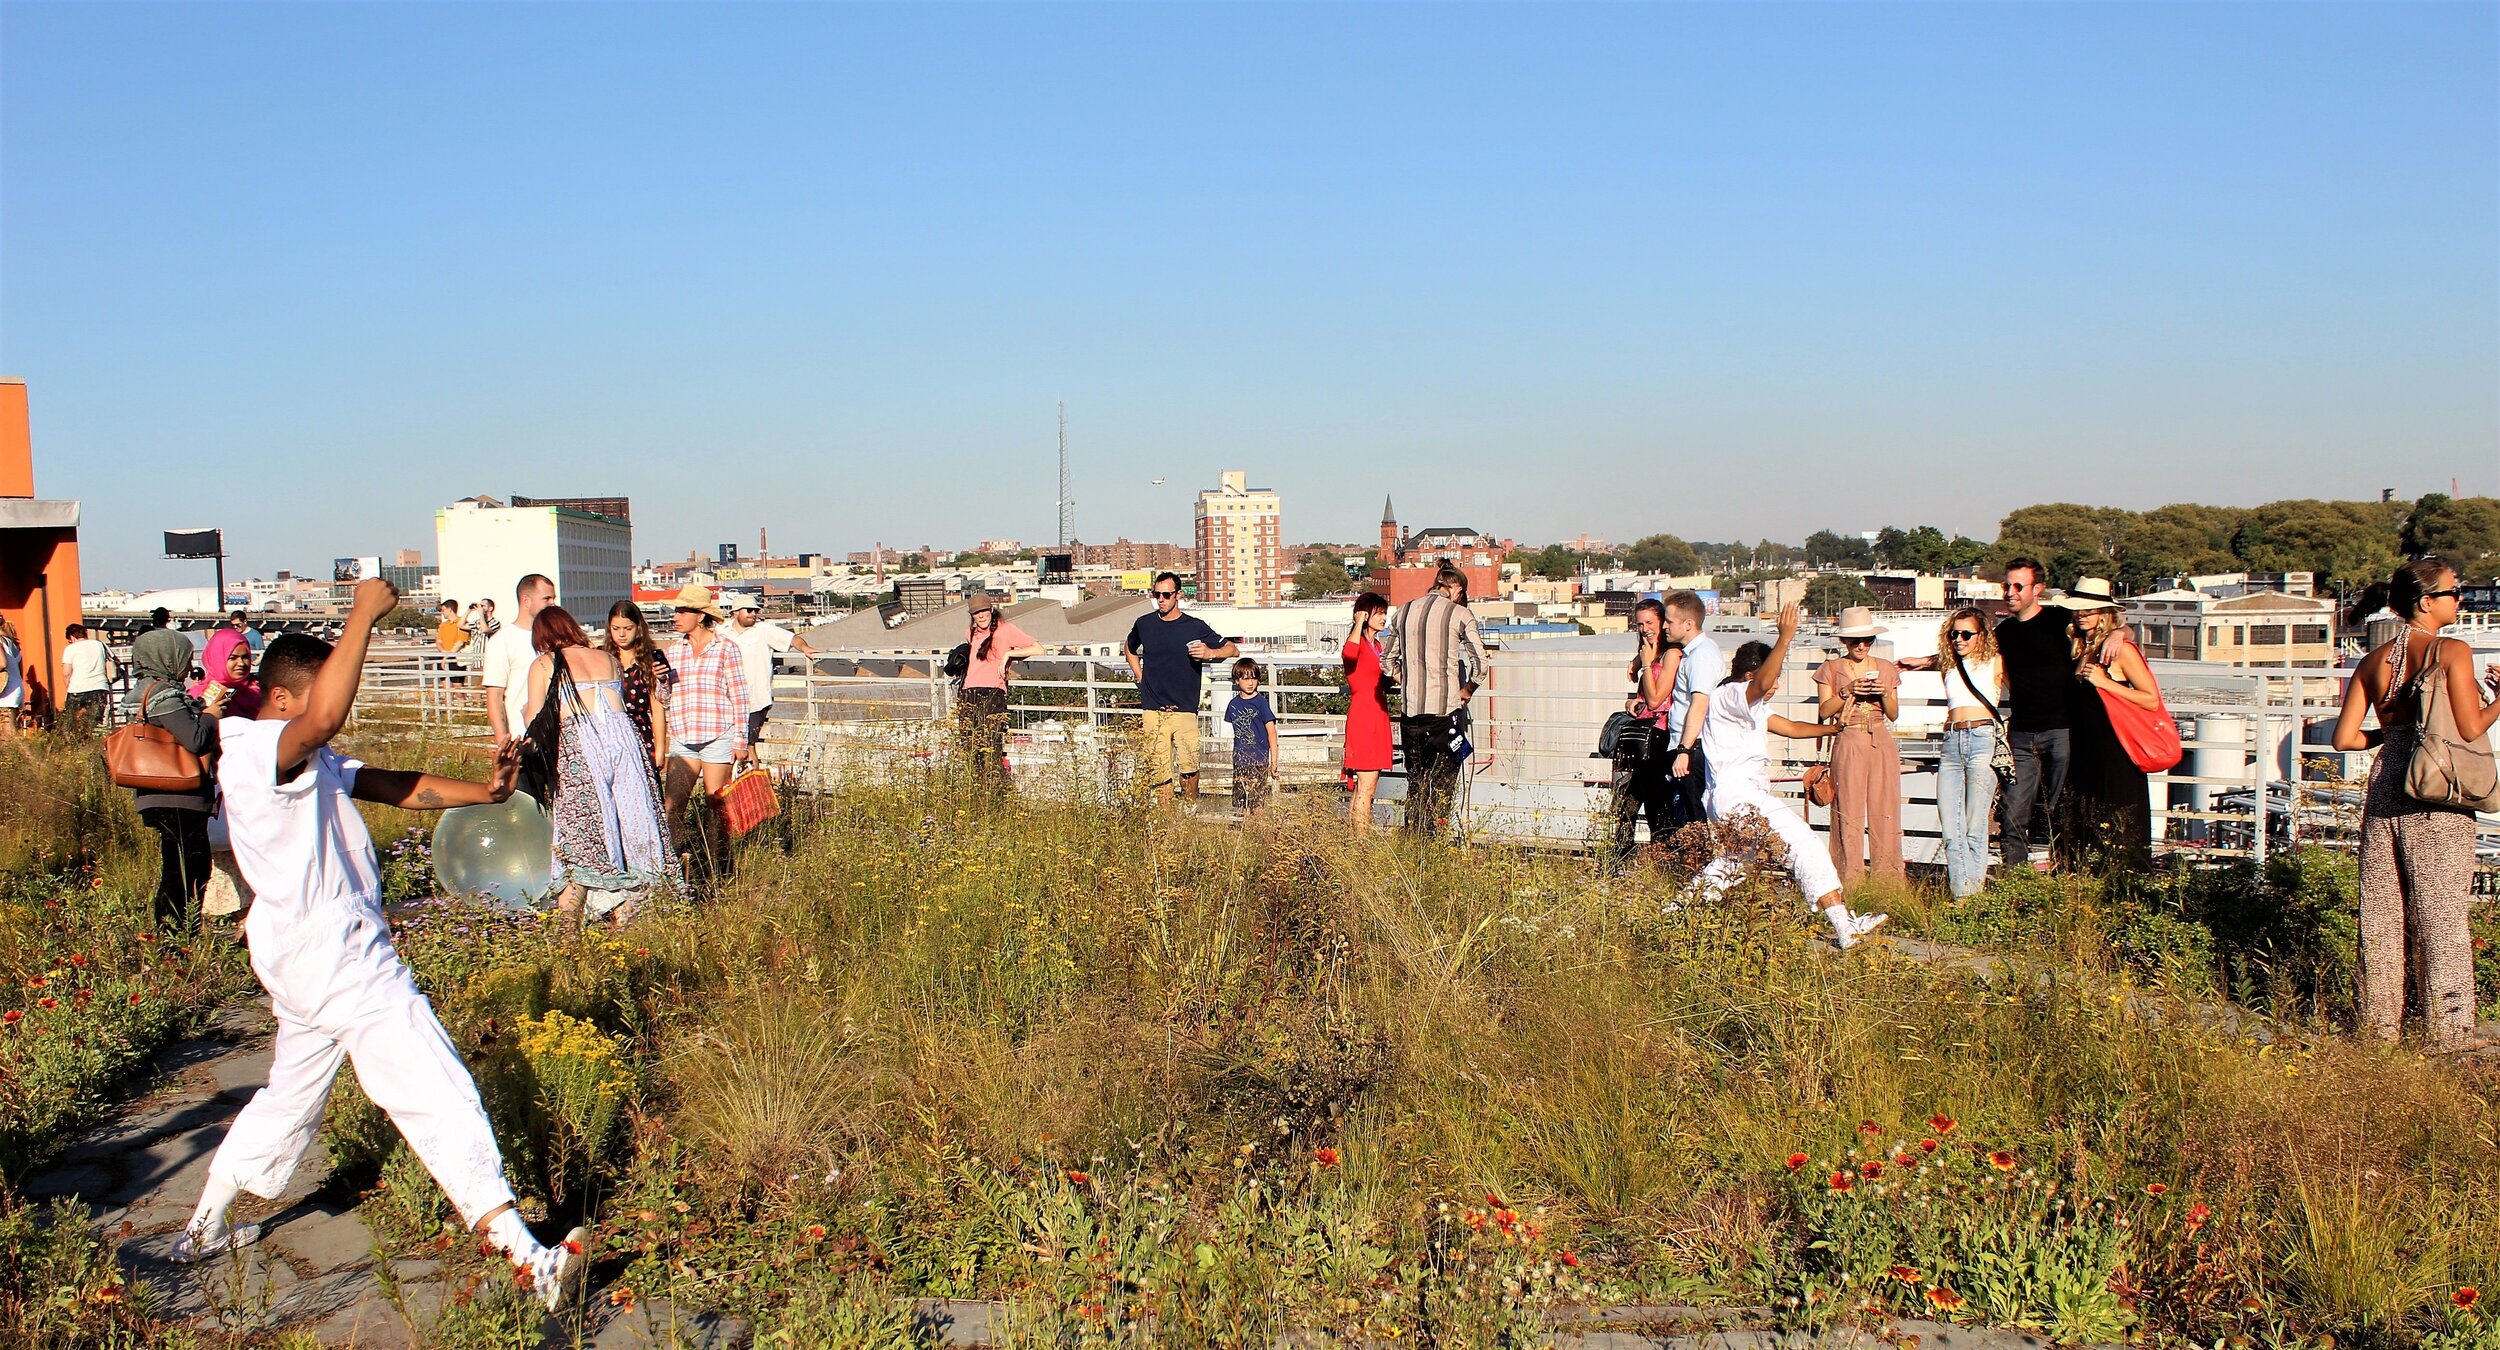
(1534, 776)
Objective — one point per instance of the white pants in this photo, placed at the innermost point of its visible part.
(346, 994)
(1808, 856)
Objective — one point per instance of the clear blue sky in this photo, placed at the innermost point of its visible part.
(309, 271)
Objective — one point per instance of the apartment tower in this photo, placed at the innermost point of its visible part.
(1238, 545)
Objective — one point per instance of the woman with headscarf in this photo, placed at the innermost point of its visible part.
(228, 662)
(160, 663)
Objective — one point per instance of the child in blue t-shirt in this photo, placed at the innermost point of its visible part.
(1254, 739)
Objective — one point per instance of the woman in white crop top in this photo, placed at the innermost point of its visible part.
(1966, 782)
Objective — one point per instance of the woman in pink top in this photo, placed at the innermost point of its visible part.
(981, 711)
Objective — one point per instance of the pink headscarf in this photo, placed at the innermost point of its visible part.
(221, 645)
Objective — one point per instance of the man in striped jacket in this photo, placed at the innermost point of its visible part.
(1437, 657)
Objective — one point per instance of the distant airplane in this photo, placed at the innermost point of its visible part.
(1158, 482)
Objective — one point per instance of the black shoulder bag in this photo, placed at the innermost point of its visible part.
(546, 730)
(2003, 760)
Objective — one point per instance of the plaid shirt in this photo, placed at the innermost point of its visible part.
(710, 700)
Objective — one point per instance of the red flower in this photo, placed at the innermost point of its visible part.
(2156, 1188)
(1570, 1258)
(1942, 1123)
(147, 937)
(37, 983)
(1079, 1178)
(1325, 1157)
(111, 1293)
(1906, 1274)
(2196, 1216)
(1492, 1201)
(1901, 1159)
(2001, 1161)
(1945, 1300)
(815, 1232)
(1926, 1145)
(1869, 1127)
(138, 998)
(78, 959)
(12, 1017)
(1796, 1161)
(47, 1001)
(1870, 1169)
(622, 1297)
(2466, 1297)
(1842, 1181)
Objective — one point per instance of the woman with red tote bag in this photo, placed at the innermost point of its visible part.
(2106, 816)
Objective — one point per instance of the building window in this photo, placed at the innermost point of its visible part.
(2309, 632)
(2266, 635)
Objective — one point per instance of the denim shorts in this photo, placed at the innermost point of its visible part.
(717, 750)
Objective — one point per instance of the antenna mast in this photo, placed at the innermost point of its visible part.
(1067, 504)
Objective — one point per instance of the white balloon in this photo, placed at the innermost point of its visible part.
(502, 850)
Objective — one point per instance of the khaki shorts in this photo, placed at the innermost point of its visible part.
(1171, 744)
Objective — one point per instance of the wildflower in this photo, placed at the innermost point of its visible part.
(2156, 1188)
(11, 1017)
(1571, 1258)
(1869, 1127)
(1902, 1159)
(1079, 1178)
(1926, 1145)
(1870, 1169)
(111, 1293)
(1942, 1123)
(1325, 1157)
(2196, 1216)
(1944, 1299)
(47, 1001)
(2466, 1297)
(147, 937)
(622, 1297)
(815, 1232)
(138, 997)
(37, 983)
(2001, 1161)
(1842, 1181)
(1796, 1161)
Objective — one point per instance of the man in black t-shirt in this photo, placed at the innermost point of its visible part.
(2036, 644)
(1165, 650)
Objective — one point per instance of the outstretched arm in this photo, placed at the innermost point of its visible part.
(433, 792)
(334, 688)
(1802, 731)
(1767, 679)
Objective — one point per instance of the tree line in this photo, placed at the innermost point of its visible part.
(2347, 544)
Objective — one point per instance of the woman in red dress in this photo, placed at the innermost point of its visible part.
(1367, 706)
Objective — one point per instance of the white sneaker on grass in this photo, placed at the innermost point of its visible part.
(1855, 926)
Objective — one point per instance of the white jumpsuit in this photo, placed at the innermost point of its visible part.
(340, 991)
(1735, 736)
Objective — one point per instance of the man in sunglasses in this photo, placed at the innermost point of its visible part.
(1165, 650)
(2036, 645)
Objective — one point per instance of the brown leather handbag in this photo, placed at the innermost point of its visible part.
(146, 757)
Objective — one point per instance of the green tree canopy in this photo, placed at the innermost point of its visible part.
(1552, 562)
(1661, 553)
(1321, 574)
(1826, 549)
(2463, 530)
(1827, 595)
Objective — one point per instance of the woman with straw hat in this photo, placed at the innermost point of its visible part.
(707, 712)
(2105, 818)
(1862, 692)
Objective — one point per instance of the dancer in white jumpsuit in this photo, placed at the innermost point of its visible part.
(1735, 743)
(321, 947)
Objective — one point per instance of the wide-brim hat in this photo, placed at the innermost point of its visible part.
(699, 599)
(1858, 621)
(2090, 593)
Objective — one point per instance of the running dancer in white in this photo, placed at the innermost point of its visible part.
(1735, 743)
(322, 949)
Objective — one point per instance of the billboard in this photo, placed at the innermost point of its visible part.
(195, 543)
(355, 569)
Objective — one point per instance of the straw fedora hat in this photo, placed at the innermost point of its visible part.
(699, 599)
(2090, 593)
(1858, 621)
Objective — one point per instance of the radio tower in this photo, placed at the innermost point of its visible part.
(1067, 504)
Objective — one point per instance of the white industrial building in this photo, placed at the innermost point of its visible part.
(484, 548)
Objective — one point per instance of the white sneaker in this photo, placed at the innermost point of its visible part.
(193, 1247)
(1856, 926)
(557, 1271)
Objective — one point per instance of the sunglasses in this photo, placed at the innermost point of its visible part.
(2449, 594)
(1167, 595)
(1962, 635)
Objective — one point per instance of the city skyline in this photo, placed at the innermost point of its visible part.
(309, 274)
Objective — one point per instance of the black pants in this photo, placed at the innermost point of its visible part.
(183, 835)
(2040, 761)
(981, 729)
(1669, 802)
(1431, 770)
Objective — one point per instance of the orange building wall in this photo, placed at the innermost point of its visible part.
(1407, 583)
(38, 568)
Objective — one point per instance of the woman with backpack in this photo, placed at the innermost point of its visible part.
(981, 710)
(2417, 857)
(160, 663)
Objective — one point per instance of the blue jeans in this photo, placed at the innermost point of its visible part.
(2040, 760)
(1966, 790)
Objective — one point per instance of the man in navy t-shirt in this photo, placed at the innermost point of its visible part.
(1164, 651)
